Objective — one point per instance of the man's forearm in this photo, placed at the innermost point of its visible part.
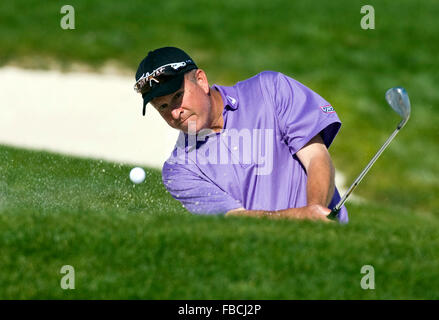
(263, 213)
(320, 185)
(313, 212)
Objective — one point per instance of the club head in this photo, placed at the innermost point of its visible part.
(398, 99)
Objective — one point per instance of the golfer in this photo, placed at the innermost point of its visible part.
(257, 148)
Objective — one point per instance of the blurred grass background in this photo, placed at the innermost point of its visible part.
(65, 204)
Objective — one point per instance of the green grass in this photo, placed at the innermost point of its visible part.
(129, 242)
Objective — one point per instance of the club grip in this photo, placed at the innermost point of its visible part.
(334, 214)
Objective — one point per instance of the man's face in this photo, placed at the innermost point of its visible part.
(191, 103)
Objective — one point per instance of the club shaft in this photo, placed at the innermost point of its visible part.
(369, 165)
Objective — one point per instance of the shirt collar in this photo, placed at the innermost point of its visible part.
(229, 96)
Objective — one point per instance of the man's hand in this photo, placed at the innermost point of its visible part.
(311, 212)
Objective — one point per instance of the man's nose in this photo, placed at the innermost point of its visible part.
(177, 112)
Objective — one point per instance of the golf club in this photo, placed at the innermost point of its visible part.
(398, 99)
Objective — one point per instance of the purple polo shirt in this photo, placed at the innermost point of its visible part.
(251, 163)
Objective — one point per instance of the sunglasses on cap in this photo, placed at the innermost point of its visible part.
(159, 76)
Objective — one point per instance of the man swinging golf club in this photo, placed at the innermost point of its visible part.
(258, 148)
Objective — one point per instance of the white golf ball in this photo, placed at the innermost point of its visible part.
(137, 175)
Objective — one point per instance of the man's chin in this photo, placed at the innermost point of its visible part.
(190, 126)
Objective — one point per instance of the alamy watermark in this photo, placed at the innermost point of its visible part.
(368, 20)
(368, 280)
(230, 146)
(67, 281)
(68, 20)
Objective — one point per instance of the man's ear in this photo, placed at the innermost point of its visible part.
(201, 78)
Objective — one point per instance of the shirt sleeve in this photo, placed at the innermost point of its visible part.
(196, 193)
(302, 113)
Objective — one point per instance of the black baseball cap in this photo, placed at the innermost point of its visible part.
(157, 59)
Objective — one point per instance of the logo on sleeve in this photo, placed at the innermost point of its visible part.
(231, 100)
(327, 109)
